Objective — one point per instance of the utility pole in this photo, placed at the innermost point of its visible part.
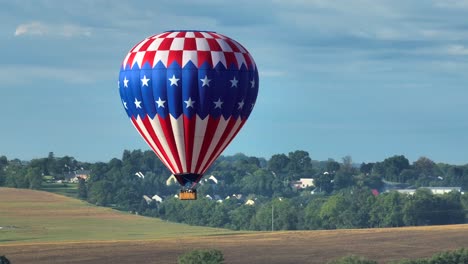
(272, 220)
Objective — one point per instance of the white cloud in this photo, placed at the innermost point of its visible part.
(42, 29)
(15, 74)
(457, 50)
(453, 4)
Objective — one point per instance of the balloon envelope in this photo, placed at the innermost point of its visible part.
(188, 93)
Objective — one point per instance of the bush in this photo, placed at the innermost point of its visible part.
(459, 256)
(352, 260)
(207, 256)
(4, 260)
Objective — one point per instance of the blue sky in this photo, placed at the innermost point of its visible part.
(365, 78)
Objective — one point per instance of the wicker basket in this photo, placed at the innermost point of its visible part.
(188, 194)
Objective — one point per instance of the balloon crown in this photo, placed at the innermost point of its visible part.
(190, 30)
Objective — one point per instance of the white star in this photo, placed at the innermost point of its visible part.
(189, 102)
(174, 80)
(125, 82)
(218, 104)
(137, 103)
(253, 83)
(144, 81)
(234, 82)
(206, 81)
(160, 102)
(125, 104)
(241, 104)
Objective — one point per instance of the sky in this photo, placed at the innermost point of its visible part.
(364, 78)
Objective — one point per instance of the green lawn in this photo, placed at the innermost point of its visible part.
(67, 189)
(37, 216)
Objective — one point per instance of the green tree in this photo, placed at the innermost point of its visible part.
(332, 166)
(278, 163)
(353, 260)
(312, 219)
(300, 164)
(331, 212)
(202, 256)
(241, 217)
(82, 189)
(419, 208)
(387, 210)
(4, 260)
(34, 178)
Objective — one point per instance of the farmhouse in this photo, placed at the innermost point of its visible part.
(171, 180)
(434, 190)
(303, 183)
(157, 198)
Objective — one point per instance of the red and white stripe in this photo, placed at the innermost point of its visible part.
(188, 145)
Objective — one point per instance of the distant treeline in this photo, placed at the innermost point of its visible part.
(341, 198)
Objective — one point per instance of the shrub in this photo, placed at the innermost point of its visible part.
(4, 260)
(352, 260)
(207, 256)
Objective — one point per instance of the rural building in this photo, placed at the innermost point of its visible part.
(250, 202)
(434, 190)
(147, 199)
(303, 183)
(171, 180)
(157, 198)
(212, 179)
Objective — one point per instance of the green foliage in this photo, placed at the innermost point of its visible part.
(459, 256)
(4, 260)
(342, 195)
(352, 260)
(202, 256)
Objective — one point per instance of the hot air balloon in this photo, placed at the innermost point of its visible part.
(188, 93)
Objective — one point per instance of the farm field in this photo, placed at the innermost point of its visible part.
(37, 216)
(87, 234)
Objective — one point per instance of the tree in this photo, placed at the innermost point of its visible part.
(34, 178)
(278, 163)
(387, 210)
(331, 212)
(312, 219)
(4, 260)
(332, 166)
(300, 164)
(353, 260)
(241, 217)
(202, 256)
(82, 189)
(425, 167)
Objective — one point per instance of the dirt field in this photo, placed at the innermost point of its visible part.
(44, 222)
(283, 247)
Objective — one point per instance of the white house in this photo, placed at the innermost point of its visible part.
(212, 178)
(171, 180)
(147, 199)
(303, 183)
(434, 190)
(157, 198)
(250, 202)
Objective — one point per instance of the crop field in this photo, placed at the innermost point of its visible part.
(35, 216)
(48, 228)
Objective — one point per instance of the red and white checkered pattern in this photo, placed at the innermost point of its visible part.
(184, 46)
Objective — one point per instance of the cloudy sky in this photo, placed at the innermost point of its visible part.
(365, 78)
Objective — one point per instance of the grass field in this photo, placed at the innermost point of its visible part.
(37, 216)
(48, 228)
(67, 189)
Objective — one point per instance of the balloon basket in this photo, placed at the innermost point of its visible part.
(190, 194)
